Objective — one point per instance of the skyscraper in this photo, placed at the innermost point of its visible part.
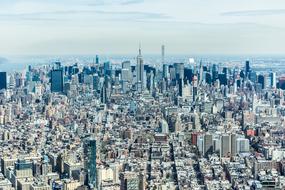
(252, 76)
(225, 145)
(97, 59)
(162, 54)
(223, 79)
(273, 80)
(179, 70)
(233, 144)
(242, 145)
(140, 72)
(3, 80)
(57, 80)
(90, 161)
(180, 86)
(107, 68)
(208, 144)
(247, 68)
(261, 80)
(126, 71)
(129, 181)
(165, 71)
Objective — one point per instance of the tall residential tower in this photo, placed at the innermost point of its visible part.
(140, 72)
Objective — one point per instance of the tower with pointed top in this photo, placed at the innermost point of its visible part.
(140, 71)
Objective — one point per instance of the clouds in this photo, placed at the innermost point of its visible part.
(77, 15)
(84, 11)
(115, 2)
(267, 12)
(117, 26)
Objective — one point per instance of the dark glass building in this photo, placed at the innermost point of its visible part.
(247, 68)
(3, 80)
(97, 59)
(57, 80)
(261, 80)
(188, 74)
(208, 78)
(23, 165)
(223, 79)
(90, 162)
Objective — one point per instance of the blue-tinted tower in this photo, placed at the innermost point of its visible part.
(3, 80)
(90, 156)
(97, 59)
(57, 80)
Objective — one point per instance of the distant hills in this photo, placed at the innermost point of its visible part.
(3, 60)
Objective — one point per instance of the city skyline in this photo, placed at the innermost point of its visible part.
(117, 27)
(142, 95)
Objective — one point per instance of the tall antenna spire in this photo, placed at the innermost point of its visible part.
(140, 51)
(162, 54)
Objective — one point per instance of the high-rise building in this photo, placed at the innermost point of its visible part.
(165, 71)
(163, 127)
(57, 80)
(126, 71)
(195, 87)
(129, 181)
(197, 123)
(225, 146)
(140, 72)
(150, 81)
(200, 143)
(96, 80)
(97, 59)
(57, 65)
(179, 70)
(223, 79)
(188, 74)
(103, 94)
(252, 76)
(126, 65)
(282, 82)
(107, 68)
(200, 72)
(208, 144)
(242, 145)
(273, 80)
(214, 72)
(208, 77)
(247, 68)
(162, 54)
(180, 86)
(90, 162)
(3, 80)
(126, 76)
(233, 144)
(261, 80)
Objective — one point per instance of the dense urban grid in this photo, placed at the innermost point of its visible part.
(175, 126)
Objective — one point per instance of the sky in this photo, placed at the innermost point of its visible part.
(234, 27)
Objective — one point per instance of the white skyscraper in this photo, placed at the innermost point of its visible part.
(162, 54)
(242, 145)
(140, 72)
